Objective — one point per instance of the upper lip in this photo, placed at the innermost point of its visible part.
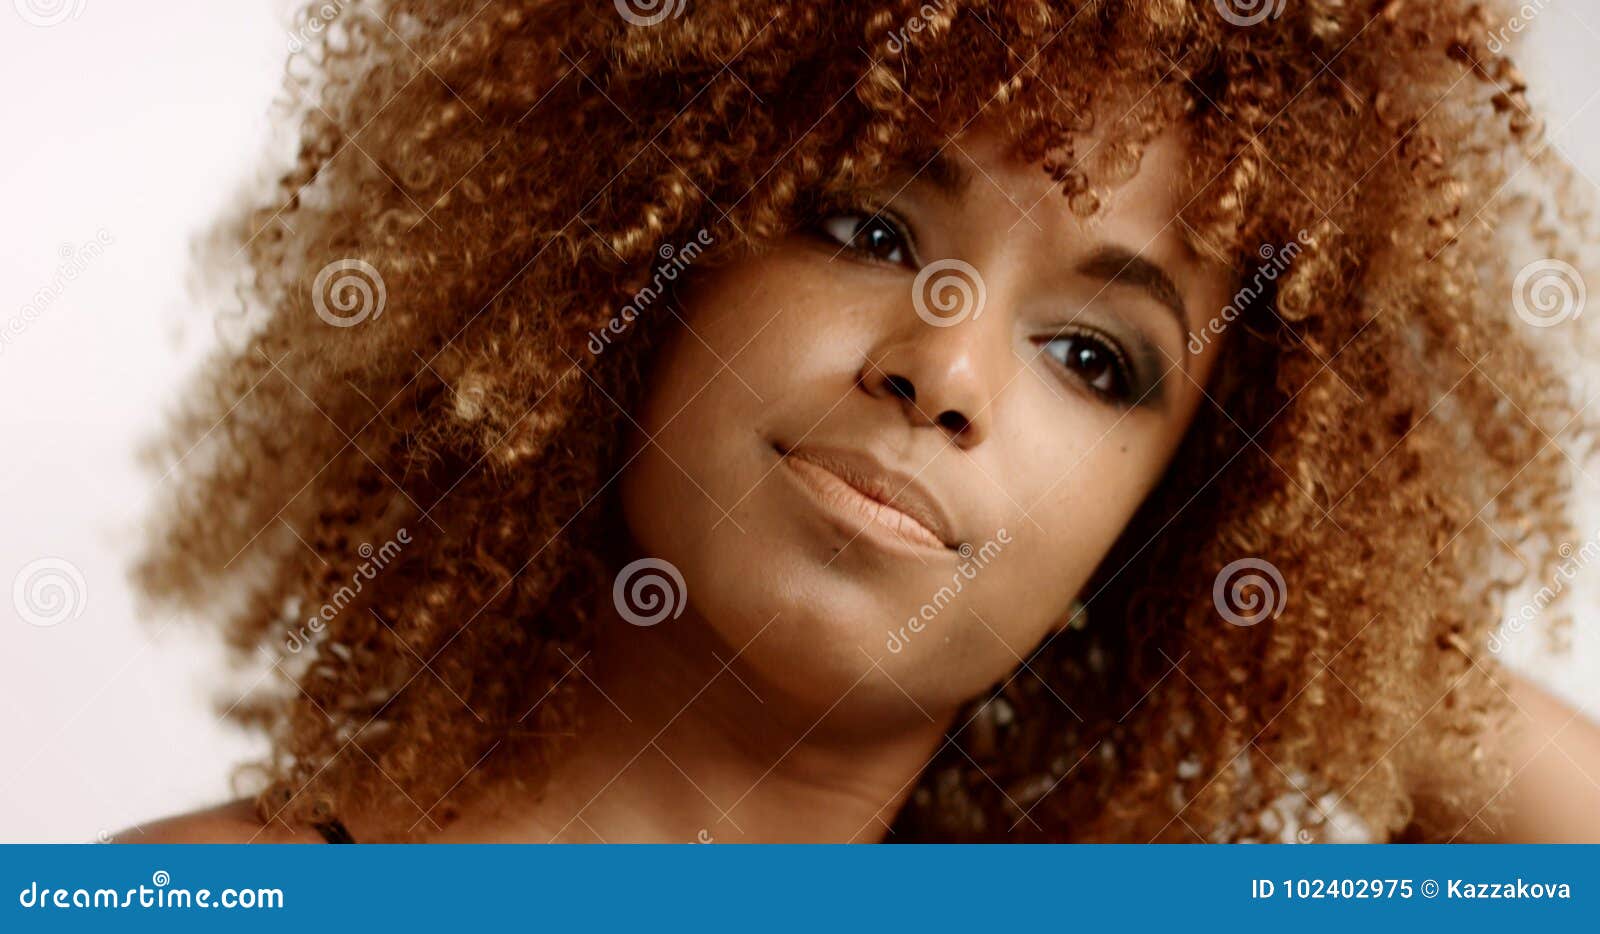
(885, 484)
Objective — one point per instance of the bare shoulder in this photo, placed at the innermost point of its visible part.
(1554, 795)
(233, 822)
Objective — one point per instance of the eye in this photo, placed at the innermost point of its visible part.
(873, 235)
(1098, 363)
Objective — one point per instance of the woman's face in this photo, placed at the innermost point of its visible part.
(909, 435)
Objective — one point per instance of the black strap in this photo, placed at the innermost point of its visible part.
(334, 832)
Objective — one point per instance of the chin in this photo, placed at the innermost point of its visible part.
(799, 626)
(812, 633)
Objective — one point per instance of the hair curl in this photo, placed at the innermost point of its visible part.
(1384, 432)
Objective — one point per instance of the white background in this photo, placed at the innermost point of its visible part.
(139, 120)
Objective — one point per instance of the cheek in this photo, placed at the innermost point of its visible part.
(748, 344)
(762, 341)
(680, 481)
(1081, 481)
(765, 345)
(1066, 495)
(757, 339)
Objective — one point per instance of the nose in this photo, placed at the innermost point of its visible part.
(942, 377)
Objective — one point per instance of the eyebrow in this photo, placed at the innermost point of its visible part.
(1121, 266)
(949, 177)
(1115, 265)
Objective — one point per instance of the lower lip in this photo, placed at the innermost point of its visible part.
(857, 512)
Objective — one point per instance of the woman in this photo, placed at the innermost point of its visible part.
(890, 421)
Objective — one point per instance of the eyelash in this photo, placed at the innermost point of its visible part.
(865, 217)
(1120, 394)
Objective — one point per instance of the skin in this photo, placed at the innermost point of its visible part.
(791, 700)
(827, 332)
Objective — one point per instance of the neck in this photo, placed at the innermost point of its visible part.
(680, 742)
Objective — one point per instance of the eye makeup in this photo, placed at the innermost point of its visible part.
(877, 233)
(1111, 366)
(1118, 371)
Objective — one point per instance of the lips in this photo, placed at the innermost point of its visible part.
(869, 496)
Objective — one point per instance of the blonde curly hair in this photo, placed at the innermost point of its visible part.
(501, 175)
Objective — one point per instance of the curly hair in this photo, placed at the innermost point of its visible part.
(490, 182)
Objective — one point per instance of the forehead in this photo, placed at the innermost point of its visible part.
(1143, 209)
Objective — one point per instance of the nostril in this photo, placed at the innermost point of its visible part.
(901, 387)
(952, 421)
